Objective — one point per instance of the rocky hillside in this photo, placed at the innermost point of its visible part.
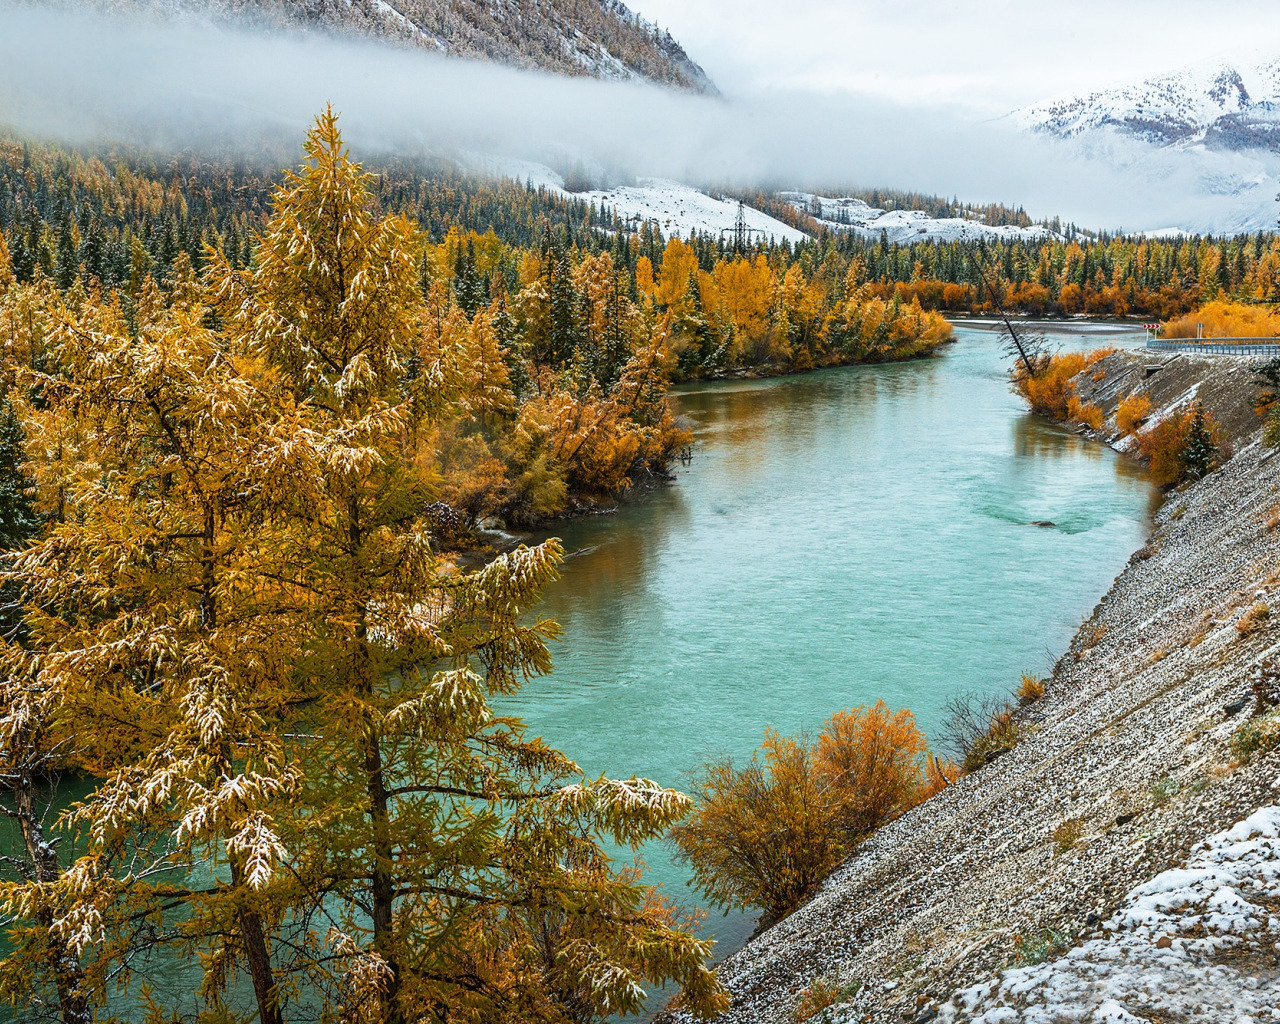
(597, 38)
(1122, 862)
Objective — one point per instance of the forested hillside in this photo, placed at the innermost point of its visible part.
(120, 217)
(126, 215)
(597, 38)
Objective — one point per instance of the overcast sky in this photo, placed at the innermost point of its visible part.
(992, 55)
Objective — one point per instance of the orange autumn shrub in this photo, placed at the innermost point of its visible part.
(1225, 320)
(1161, 446)
(1085, 413)
(939, 773)
(1131, 412)
(763, 834)
(1030, 688)
(1181, 445)
(1049, 390)
(820, 995)
(871, 759)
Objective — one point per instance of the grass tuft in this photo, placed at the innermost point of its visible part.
(1030, 688)
(1254, 619)
(821, 995)
(1066, 835)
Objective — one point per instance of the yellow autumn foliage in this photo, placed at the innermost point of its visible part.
(1224, 319)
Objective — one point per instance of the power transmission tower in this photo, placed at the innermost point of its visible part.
(740, 233)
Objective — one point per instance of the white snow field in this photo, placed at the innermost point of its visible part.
(678, 210)
(682, 210)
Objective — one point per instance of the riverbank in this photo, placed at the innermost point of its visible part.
(1132, 758)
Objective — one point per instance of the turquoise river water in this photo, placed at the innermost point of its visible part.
(839, 537)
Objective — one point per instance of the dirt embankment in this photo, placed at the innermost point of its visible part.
(1129, 761)
(1223, 385)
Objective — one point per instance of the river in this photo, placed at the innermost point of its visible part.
(839, 537)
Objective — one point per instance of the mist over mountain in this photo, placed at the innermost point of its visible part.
(216, 84)
(591, 38)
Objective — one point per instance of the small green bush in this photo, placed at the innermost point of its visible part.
(1165, 790)
(1002, 735)
(979, 729)
(1040, 945)
(1066, 835)
(1271, 435)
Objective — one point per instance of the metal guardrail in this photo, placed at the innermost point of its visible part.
(1250, 347)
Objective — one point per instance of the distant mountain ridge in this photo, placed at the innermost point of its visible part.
(1225, 106)
(592, 38)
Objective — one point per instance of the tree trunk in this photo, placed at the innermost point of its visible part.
(67, 974)
(383, 894)
(258, 956)
(251, 931)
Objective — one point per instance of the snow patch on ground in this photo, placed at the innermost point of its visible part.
(677, 209)
(681, 210)
(902, 226)
(1173, 948)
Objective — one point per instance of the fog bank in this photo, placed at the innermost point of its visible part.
(83, 79)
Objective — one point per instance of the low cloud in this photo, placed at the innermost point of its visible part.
(84, 79)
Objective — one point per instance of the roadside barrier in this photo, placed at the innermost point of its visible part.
(1252, 348)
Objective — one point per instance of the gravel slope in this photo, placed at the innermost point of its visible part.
(1131, 742)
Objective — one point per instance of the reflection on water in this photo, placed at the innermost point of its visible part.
(840, 537)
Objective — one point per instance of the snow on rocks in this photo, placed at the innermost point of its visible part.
(1168, 950)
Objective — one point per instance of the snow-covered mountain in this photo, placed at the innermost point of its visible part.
(595, 38)
(901, 226)
(1233, 106)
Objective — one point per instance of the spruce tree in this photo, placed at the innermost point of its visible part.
(18, 520)
(1199, 451)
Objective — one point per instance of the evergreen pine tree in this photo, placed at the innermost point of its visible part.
(1200, 451)
(18, 521)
